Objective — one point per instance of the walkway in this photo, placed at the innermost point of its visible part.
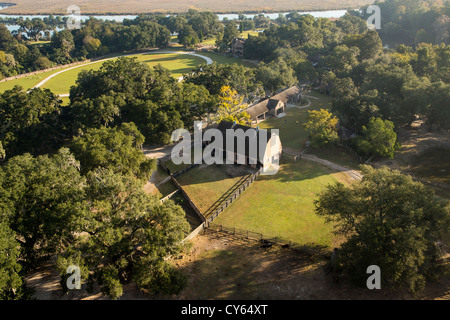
(207, 59)
(354, 174)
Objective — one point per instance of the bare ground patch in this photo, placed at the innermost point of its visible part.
(415, 142)
(223, 266)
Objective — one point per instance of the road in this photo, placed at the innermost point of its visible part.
(207, 59)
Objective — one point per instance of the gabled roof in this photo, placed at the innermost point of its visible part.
(273, 103)
(258, 109)
(287, 94)
(268, 104)
(224, 125)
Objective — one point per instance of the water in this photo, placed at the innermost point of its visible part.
(316, 14)
(120, 18)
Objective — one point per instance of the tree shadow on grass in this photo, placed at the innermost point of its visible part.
(236, 268)
(243, 270)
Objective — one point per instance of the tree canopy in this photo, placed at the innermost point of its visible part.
(390, 221)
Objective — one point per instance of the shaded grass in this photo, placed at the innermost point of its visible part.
(166, 188)
(282, 205)
(433, 165)
(227, 272)
(292, 132)
(336, 154)
(208, 185)
(178, 64)
(224, 59)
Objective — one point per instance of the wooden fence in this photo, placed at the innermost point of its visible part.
(169, 196)
(234, 196)
(185, 195)
(206, 222)
(62, 66)
(267, 241)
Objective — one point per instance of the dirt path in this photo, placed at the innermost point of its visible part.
(354, 174)
(207, 59)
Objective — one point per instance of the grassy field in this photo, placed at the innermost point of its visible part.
(282, 205)
(207, 186)
(292, 133)
(178, 64)
(139, 6)
(433, 165)
(27, 82)
(224, 59)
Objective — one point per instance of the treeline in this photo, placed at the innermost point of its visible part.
(348, 62)
(97, 218)
(95, 38)
(121, 91)
(72, 183)
(411, 22)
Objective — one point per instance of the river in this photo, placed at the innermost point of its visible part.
(229, 16)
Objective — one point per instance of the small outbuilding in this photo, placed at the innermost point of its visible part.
(275, 105)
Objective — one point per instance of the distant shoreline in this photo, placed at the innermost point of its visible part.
(15, 9)
(174, 12)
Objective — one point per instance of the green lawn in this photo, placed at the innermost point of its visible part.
(178, 64)
(27, 82)
(207, 186)
(282, 205)
(292, 133)
(61, 83)
(224, 59)
(433, 165)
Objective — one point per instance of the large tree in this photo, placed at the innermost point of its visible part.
(390, 221)
(378, 138)
(117, 149)
(10, 278)
(126, 90)
(322, 127)
(276, 75)
(46, 197)
(25, 118)
(130, 237)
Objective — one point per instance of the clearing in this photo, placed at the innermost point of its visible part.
(209, 185)
(60, 81)
(282, 205)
